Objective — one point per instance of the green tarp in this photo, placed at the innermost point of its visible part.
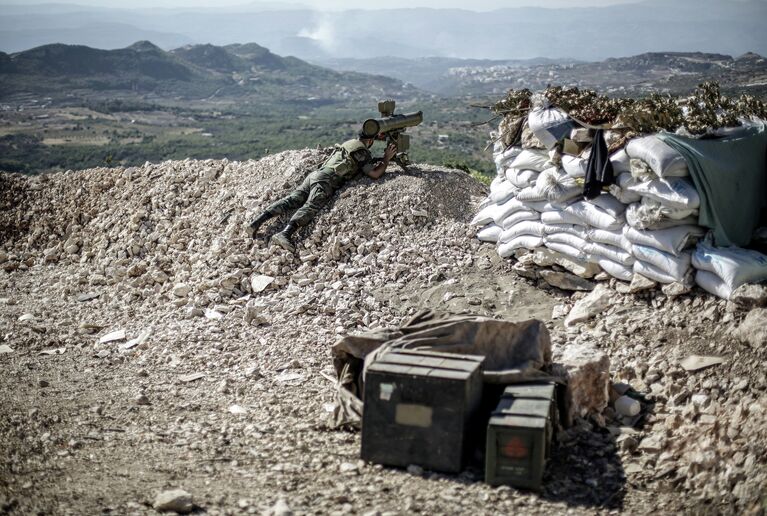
(730, 175)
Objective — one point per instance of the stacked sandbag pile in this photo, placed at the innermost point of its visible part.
(645, 223)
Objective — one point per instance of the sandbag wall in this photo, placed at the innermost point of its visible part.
(645, 223)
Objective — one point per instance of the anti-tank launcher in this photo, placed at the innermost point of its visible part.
(391, 127)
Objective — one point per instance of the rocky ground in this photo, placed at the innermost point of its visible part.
(147, 344)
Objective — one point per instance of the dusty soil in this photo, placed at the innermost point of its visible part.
(234, 408)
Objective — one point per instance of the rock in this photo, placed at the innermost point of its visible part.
(237, 410)
(750, 295)
(175, 500)
(414, 469)
(696, 362)
(27, 318)
(3, 257)
(112, 337)
(640, 283)
(213, 315)
(141, 399)
(253, 313)
(260, 282)
(547, 258)
(587, 373)
(86, 297)
(181, 290)
(137, 341)
(566, 281)
(192, 377)
(593, 304)
(280, 508)
(348, 467)
(652, 444)
(676, 289)
(5, 348)
(753, 329)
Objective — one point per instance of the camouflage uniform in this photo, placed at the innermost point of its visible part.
(347, 161)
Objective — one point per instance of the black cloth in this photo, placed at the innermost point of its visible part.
(599, 172)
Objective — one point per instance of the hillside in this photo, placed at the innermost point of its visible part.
(147, 338)
(238, 71)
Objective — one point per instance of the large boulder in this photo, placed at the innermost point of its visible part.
(599, 300)
(586, 370)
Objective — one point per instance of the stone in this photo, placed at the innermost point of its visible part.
(640, 283)
(186, 378)
(237, 410)
(141, 399)
(213, 314)
(3, 257)
(566, 281)
(676, 289)
(694, 363)
(254, 313)
(586, 371)
(750, 295)
(653, 443)
(280, 508)
(112, 337)
(414, 469)
(753, 329)
(27, 318)
(260, 282)
(136, 342)
(86, 297)
(175, 500)
(547, 258)
(181, 290)
(599, 300)
(5, 348)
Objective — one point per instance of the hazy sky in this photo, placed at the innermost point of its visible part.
(475, 5)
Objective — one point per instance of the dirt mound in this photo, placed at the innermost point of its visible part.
(179, 352)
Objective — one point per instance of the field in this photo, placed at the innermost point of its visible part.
(39, 134)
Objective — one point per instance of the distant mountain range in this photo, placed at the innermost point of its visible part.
(192, 72)
(730, 27)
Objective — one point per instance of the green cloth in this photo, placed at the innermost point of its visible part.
(730, 175)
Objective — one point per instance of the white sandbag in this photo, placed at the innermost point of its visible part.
(504, 158)
(567, 239)
(502, 192)
(504, 210)
(620, 161)
(675, 266)
(557, 186)
(613, 253)
(652, 272)
(609, 204)
(526, 227)
(531, 194)
(572, 229)
(540, 206)
(641, 171)
(496, 183)
(650, 214)
(613, 237)
(624, 196)
(490, 233)
(522, 242)
(674, 192)
(734, 265)
(713, 284)
(549, 125)
(616, 270)
(567, 250)
(532, 159)
(672, 240)
(521, 178)
(664, 161)
(559, 217)
(486, 215)
(519, 216)
(574, 166)
(592, 215)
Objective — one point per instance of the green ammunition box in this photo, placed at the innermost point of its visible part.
(419, 407)
(519, 436)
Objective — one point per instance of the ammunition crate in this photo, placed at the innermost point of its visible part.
(519, 435)
(419, 407)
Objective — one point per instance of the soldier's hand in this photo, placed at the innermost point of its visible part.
(390, 151)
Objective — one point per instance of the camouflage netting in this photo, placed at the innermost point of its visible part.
(705, 109)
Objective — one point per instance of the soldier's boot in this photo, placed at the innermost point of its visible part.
(284, 237)
(258, 221)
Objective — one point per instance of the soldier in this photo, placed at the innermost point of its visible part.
(347, 161)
